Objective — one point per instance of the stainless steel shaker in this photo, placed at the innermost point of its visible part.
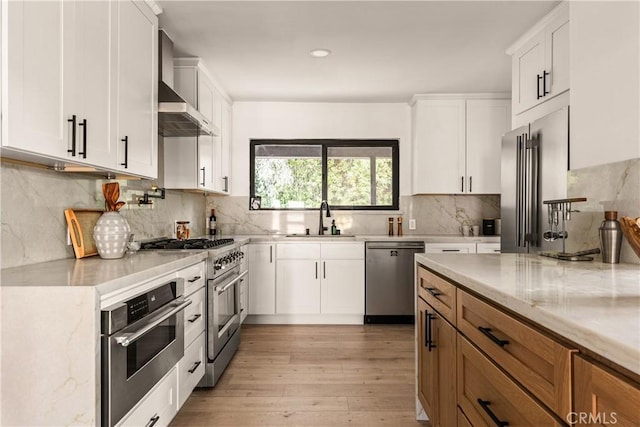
(610, 238)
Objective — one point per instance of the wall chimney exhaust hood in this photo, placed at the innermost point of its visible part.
(176, 117)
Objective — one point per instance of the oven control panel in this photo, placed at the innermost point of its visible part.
(227, 261)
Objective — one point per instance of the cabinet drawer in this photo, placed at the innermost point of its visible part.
(194, 316)
(298, 250)
(191, 368)
(159, 404)
(342, 250)
(608, 398)
(193, 277)
(487, 396)
(488, 248)
(542, 365)
(462, 419)
(455, 248)
(439, 293)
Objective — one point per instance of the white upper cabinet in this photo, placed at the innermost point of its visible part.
(457, 144)
(137, 93)
(77, 74)
(207, 168)
(540, 61)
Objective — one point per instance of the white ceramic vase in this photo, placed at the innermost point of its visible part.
(111, 235)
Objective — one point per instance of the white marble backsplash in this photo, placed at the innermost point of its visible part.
(610, 187)
(434, 214)
(33, 201)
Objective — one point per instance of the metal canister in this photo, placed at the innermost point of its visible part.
(610, 238)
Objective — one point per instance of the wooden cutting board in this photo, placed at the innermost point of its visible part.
(81, 223)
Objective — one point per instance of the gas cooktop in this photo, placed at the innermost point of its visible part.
(165, 243)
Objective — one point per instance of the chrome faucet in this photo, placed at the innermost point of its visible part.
(322, 228)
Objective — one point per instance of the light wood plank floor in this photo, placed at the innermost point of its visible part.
(294, 375)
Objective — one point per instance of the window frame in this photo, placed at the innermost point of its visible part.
(326, 144)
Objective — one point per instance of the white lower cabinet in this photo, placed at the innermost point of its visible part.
(462, 248)
(262, 278)
(159, 405)
(488, 248)
(320, 278)
(194, 316)
(191, 368)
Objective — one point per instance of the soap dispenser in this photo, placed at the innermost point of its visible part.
(334, 229)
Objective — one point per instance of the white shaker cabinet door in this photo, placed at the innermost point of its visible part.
(39, 66)
(527, 65)
(557, 55)
(342, 287)
(439, 144)
(298, 286)
(487, 121)
(262, 278)
(137, 93)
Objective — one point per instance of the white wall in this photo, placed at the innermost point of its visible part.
(291, 120)
(605, 82)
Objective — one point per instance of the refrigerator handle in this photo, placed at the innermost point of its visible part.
(533, 148)
(524, 185)
(518, 187)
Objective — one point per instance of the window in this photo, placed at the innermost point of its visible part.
(349, 174)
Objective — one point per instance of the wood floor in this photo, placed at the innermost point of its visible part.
(292, 375)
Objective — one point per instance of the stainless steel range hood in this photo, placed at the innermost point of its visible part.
(176, 117)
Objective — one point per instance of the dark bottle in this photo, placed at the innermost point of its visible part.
(212, 223)
(334, 229)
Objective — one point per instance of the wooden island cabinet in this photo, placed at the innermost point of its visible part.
(480, 364)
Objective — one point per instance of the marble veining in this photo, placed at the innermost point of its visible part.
(588, 303)
(434, 214)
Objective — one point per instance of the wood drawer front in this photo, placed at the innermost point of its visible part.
(439, 293)
(194, 316)
(542, 365)
(479, 380)
(462, 419)
(608, 399)
(193, 278)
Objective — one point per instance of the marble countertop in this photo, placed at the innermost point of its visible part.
(102, 274)
(592, 304)
(433, 238)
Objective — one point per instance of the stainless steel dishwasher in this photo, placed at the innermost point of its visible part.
(389, 281)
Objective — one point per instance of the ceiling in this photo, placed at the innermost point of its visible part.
(382, 51)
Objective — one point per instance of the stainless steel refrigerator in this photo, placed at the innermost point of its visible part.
(535, 161)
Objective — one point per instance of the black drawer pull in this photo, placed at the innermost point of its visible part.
(487, 332)
(153, 420)
(195, 366)
(485, 405)
(433, 292)
(195, 317)
(194, 279)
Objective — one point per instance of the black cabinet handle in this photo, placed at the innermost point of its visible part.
(451, 250)
(485, 405)
(203, 176)
(126, 152)
(487, 332)
(72, 120)
(226, 183)
(433, 292)
(153, 421)
(194, 318)
(324, 269)
(427, 334)
(470, 184)
(316, 269)
(544, 83)
(270, 254)
(539, 77)
(83, 153)
(195, 366)
(430, 343)
(196, 278)
(462, 184)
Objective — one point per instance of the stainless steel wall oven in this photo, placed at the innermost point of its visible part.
(142, 339)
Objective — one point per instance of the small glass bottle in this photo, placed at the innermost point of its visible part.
(334, 229)
(610, 238)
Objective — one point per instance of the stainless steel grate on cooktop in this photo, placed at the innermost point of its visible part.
(164, 243)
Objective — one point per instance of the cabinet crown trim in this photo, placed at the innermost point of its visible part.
(198, 63)
(562, 8)
(460, 96)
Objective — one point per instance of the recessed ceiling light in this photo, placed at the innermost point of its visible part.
(320, 53)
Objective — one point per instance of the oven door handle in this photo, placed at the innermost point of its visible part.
(127, 338)
(231, 283)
